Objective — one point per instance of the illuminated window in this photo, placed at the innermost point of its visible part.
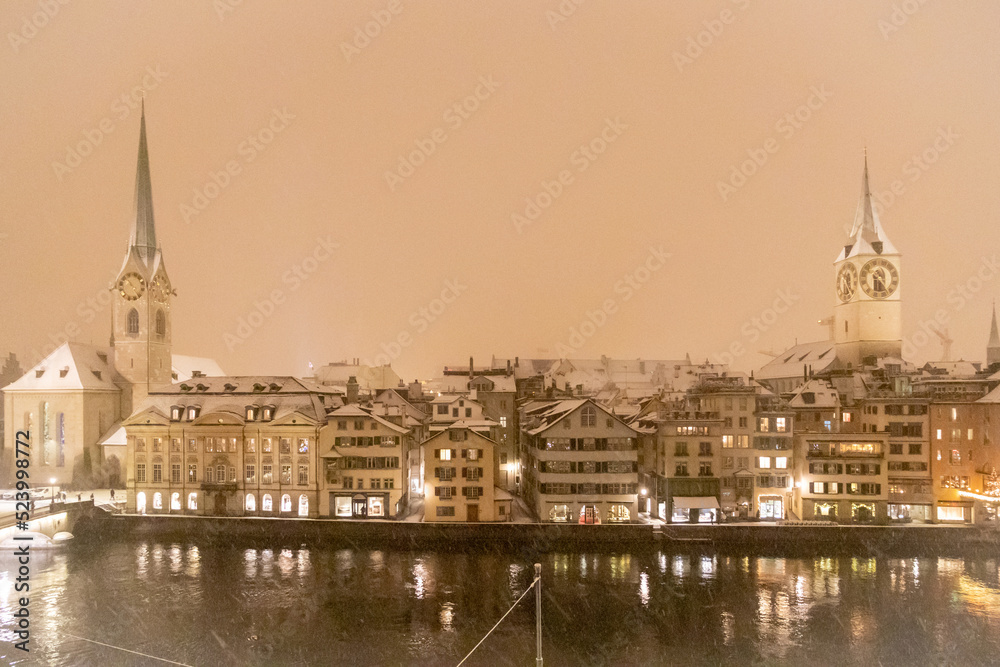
(763, 425)
(764, 462)
(251, 475)
(251, 503)
(559, 513)
(847, 416)
(286, 503)
(955, 459)
(781, 462)
(588, 416)
(303, 474)
(939, 434)
(157, 473)
(192, 472)
(157, 501)
(727, 442)
(304, 445)
(250, 445)
(444, 454)
(303, 505)
(175, 502)
(192, 501)
(954, 414)
(970, 434)
(780, 424)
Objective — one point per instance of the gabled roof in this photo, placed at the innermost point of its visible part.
(549, 415)
(353, 410)
(819, 354)
(867, 230)
(815, 394)
(184, 367)
(72, 366)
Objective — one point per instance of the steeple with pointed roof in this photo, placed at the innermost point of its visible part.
(867, 234)
(140, 318)
(993, 347)
(867, 318)
(143, 236)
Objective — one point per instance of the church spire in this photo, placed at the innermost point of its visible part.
(143, 236)
(867, 235)
(993, 347)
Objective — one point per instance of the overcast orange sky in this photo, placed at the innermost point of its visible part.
(309, 162)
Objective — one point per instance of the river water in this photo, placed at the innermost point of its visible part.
(209, 604)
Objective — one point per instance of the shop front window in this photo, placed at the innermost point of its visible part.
(619, 512)
(863, 512)
(342, 506)
(945, 513)
(559, 513)
(375, 507)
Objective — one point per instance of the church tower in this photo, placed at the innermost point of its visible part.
(141, 327)
(993, 346)
(868, 314)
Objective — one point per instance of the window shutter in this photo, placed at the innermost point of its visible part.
(464, 472)
(480, 453)
(437, 453)
(437, 491)
(635, 466)
(572, 489)
(437, 472)
(464, 453)
(480, 471)
(454, 491)
(480, 489)
(465, 491)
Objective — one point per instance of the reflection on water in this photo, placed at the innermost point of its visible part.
(205, 604)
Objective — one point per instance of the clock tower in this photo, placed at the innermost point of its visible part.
(141, 296)
(868, 314)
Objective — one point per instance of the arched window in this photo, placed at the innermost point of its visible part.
(157, 501)
(251, 503)
(588, 416)
(265, 503)
(192, 501)
(303, 505)
(132, 323)
(161, 324)
(286, 503)
(140, 502)
(175, 502)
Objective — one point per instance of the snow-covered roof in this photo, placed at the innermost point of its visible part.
(815, 394)
(71, 366)
(184, 367)
(820, 355)
(867, 235)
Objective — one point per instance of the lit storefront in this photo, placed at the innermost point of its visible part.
(694, 509)
(359, 505)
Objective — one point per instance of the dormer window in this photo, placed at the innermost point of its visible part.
(192, 412)
(257, 386)
(64, 372)
(97, 374)
(103, 357)
(230, 387)
(40, 372)
(251, 413)
(185, 387)
(175, 413)
(202, 387)
(274, 386)
(268, 413)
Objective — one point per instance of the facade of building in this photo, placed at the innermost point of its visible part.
(363, 457)
(580, 463)
(842, 478)
(458, 478)
(230, 446)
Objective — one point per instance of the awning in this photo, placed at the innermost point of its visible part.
(696, 503)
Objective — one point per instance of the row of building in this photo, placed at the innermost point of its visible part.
(842, 429)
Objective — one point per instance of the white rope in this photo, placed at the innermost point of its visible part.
(146, 655)
(500, 621)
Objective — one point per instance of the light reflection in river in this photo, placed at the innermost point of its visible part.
(204, 604)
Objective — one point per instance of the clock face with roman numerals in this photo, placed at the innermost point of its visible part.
(879, 278)
(847, 282)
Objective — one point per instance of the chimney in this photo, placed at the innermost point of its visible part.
(470, 368)
(517, 362)
(352, 389)
(508, 367)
